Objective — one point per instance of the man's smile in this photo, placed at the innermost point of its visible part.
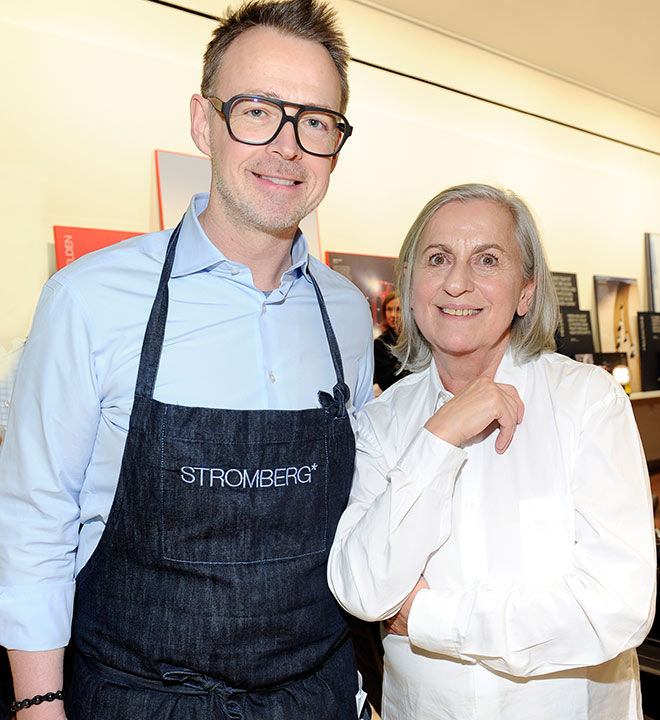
(277, 180)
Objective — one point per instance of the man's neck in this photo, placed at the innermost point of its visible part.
(268, 256)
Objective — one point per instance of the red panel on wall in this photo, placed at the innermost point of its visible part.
(72, 242)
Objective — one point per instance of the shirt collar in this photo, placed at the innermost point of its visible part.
(509, 372)
(195, 252)
(438, 389)
(299, 258)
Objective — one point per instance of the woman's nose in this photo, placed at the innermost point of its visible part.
(458, 280)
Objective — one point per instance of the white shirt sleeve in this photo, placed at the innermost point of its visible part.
(396, 517)
(601, 605)
(364, 389)
(54, 416)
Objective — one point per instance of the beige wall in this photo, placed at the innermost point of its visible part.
(90, 89)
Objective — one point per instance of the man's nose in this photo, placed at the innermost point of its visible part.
(285, 143)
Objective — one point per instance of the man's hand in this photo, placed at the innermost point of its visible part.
(398, 624)
(478, 405)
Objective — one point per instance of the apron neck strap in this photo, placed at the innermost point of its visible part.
(329, 332)
(154, 334)
(335, 404)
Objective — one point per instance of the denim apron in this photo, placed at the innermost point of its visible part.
(207, 595)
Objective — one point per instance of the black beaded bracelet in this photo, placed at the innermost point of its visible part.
(36, 700)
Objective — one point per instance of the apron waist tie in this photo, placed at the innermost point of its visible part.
(182, 682)
(206, 685)
(189, 682)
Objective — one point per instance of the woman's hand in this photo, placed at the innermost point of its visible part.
(398, 624)
(478, 405)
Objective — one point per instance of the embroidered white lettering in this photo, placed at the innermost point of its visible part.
(280, 477)
(188, 474)
(237, 476)
(305, 474)
(247, 479)
(250, 481)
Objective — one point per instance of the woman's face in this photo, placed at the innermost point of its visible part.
(393, 314)
(468, 283)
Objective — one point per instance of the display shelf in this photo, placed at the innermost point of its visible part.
(642, 396)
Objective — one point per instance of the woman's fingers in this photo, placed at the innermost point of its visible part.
(509, 420)
(474, 408)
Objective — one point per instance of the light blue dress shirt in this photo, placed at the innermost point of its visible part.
(226, 345)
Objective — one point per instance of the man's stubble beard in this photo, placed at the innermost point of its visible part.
(250, 214)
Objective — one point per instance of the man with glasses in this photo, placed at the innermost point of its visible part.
(186, 451)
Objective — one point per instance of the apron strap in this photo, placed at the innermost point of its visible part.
(335, 404)
(154, 334)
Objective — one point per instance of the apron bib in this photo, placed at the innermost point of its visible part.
(207, 594)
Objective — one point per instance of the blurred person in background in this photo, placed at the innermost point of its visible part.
(386, 366)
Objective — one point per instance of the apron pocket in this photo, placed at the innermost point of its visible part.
(233, 503)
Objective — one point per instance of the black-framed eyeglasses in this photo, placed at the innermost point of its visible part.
(256, 120)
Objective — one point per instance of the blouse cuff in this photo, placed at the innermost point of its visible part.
(438, 619)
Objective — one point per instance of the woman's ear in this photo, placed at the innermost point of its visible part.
(526, 297)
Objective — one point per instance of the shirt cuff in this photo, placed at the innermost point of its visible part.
(438, 620)
(36, 617)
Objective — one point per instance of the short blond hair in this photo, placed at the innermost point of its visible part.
(307, 19)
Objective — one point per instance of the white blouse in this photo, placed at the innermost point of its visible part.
(541, 561)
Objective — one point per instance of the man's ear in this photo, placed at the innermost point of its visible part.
(200, 123)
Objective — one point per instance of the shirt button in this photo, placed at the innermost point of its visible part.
(234, 270)
(263, 308)
(271, 377)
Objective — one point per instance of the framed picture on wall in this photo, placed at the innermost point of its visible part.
(617, 305)
(373, 275)
(653, 269)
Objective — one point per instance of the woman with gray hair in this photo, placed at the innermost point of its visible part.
(500, 522)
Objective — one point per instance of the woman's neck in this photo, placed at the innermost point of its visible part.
(457, 371)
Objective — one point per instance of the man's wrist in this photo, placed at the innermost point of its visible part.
(36, 700)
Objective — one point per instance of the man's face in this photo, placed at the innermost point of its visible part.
(270, 188)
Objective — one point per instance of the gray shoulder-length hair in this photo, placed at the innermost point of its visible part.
(532, 333)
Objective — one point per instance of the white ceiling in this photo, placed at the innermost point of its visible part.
(607, 45)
